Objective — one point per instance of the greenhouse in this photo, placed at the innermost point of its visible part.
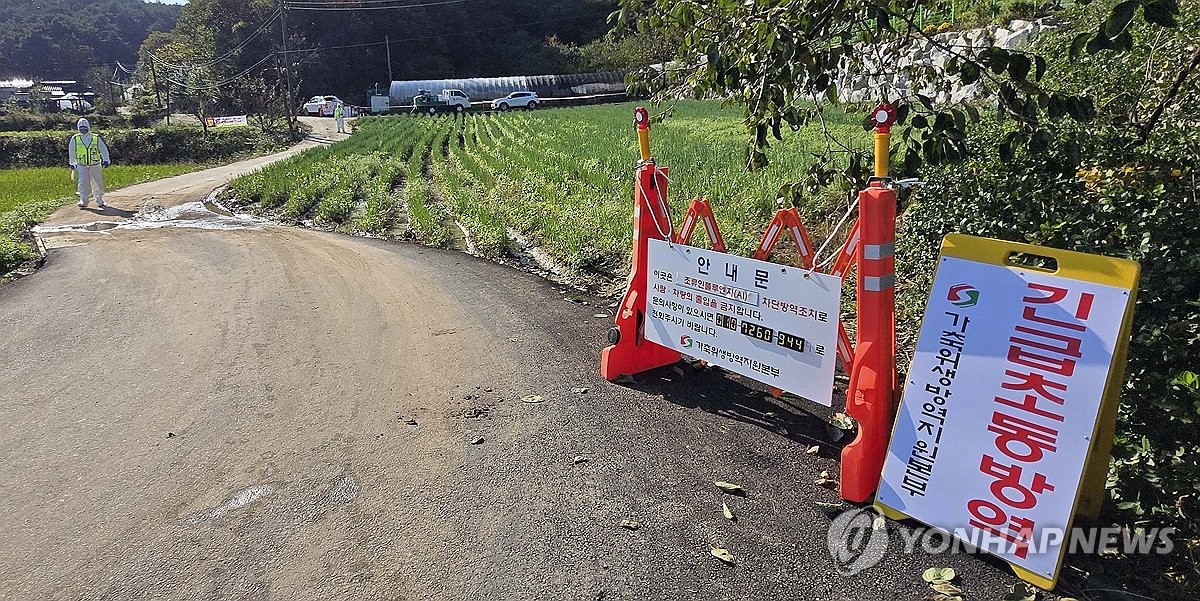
(489, 88)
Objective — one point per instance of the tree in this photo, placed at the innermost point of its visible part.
(62, 39)
(782, 58)
(343, 52)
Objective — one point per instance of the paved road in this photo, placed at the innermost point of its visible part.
(277, 413)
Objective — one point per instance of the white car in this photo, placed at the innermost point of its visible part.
(322, 105)
(72, 102)
(520, 99)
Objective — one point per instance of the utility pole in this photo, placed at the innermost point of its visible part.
(387, 40)
(168, 104)
(287, 73)
(154, 74)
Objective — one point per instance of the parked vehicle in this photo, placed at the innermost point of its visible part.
(448, 100)
(73, 102)
(322, 105)
(524, 98)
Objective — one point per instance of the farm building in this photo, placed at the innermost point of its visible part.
(488, 88)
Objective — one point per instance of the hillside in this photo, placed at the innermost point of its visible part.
(342, 51)
(53, 39)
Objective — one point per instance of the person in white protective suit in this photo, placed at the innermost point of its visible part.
(88, 156)
(339, 115)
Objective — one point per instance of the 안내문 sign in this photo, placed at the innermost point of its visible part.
(772, 323)
(1004, 397)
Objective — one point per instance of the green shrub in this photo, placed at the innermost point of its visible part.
(16, 118)
(15, 244)
(140, 146)
(1140, 207)
(1123, 185)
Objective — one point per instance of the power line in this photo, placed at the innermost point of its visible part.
(227, 54)
(361, 5)
(54, 64)
(318, 48)
(223, 83)
(443, 35)
(357, 3)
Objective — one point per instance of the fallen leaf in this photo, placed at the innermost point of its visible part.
(579, 390)
(631, 524)
(946, 588)
(732, 489)
(532, 398)
(935, 575)
(825, 479)
(727, 511)
(477, 440)
(723, 555)
(579, 459)
(1022, 592)
(813, 450)
(831, 510)
(941, 597)
(411, 422)
(842, 421)
(678, 371)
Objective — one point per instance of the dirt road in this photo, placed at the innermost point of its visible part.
(275, 413)
(173, 191)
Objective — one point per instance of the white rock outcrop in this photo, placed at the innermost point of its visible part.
(922, 67)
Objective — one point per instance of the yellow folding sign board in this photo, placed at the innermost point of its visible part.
(1006, 423)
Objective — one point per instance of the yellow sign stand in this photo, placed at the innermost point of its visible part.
(1002, 272)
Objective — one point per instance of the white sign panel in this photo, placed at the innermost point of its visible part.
(775, 324)
(233, 121)
(1000, 405)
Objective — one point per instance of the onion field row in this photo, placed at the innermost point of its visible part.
(562, 178)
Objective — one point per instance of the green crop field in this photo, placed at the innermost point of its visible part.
(562, 178)
(22, 186)
(28, 196)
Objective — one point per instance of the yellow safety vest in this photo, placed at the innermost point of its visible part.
(85, 154)
(338, 112)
